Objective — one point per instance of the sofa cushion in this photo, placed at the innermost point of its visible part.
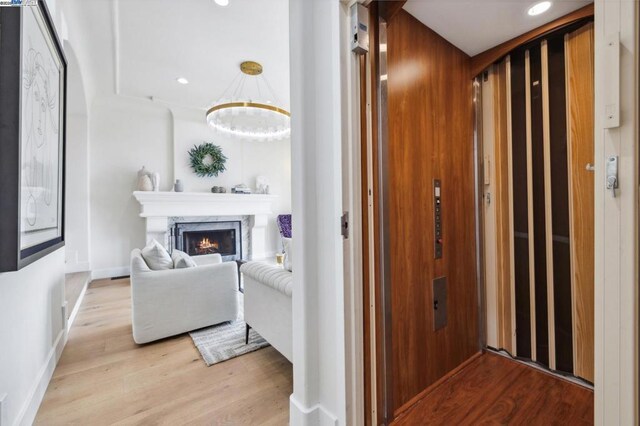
(269, 275)
(138, 264)
(156, 256)
(182, 260)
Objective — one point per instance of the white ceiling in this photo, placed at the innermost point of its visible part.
(477, 25)
(139, 47)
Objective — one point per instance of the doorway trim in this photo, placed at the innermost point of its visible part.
(616, 219)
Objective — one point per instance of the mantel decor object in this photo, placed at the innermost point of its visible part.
(241, 189)
(262, 185)
(155, 180)
(33, 80)
(218, 190)
(145, 182)
(207, 160)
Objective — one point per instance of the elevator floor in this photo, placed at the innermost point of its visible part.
(496, 390)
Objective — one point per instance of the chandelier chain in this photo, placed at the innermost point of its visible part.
(258, 87)
(276, 99)
(231, 84)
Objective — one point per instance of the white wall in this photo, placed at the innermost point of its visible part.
(318, 304)
(32, 330)
(124, 135)
(127, 133)
(77, 194)
(77, 177)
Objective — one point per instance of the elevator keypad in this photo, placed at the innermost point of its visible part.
(437, 219)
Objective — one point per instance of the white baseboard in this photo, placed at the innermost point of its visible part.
(309, 416)
(70, 268)
(29, 409)
(99, 274)
(76, 308)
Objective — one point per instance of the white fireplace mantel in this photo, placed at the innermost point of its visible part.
(158, 207)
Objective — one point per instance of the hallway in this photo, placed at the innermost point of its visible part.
(103, 377)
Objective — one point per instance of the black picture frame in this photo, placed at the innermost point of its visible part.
(13, 254)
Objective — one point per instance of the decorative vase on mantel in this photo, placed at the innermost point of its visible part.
(155, 180)
(178, 186)
(144, 180)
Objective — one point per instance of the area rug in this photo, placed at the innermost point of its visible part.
(226, 341)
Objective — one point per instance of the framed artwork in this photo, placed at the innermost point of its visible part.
(32, 136)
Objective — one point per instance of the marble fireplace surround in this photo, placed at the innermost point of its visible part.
(160, 209)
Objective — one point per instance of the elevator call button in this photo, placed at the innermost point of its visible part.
(437, 219)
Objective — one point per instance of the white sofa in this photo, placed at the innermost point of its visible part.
(267, 304)
(173, 301)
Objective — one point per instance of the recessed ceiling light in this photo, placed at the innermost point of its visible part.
(539, 8)
(182, 80)
(222, 2)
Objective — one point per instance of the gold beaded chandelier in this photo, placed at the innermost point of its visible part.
(248, 108)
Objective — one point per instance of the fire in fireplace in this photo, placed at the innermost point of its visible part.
(201, 238)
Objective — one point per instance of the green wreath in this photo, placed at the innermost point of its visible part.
(207, 159)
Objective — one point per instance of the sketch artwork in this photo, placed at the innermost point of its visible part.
(41, 86)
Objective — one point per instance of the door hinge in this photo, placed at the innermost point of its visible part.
(344, 225)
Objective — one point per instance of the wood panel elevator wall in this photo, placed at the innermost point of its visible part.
(545, 91)
(430, 136)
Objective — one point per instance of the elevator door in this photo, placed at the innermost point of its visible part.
(538, 205)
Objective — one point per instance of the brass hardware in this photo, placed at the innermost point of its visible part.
(249, 104)
(251, 68)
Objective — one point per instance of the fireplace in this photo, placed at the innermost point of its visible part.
(198, 238)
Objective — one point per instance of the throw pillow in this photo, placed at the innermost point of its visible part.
(156, 256)
(182, 260)
(288, 264)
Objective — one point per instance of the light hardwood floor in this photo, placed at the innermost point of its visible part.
(103, 377)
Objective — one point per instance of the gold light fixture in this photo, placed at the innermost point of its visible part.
(250, 116)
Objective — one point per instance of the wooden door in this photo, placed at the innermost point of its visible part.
(498, 212)
(549, 207)
(579, 56)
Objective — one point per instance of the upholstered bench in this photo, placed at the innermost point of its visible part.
(267, 304)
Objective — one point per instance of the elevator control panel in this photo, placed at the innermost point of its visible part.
(437, 219)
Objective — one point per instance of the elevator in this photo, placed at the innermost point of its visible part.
(480, 212)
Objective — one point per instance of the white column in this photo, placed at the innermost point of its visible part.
(318, 299)
(259, 236)
(157, 229)
(616, 218)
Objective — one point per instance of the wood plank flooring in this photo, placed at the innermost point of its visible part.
(497, 390)
(103, 377)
